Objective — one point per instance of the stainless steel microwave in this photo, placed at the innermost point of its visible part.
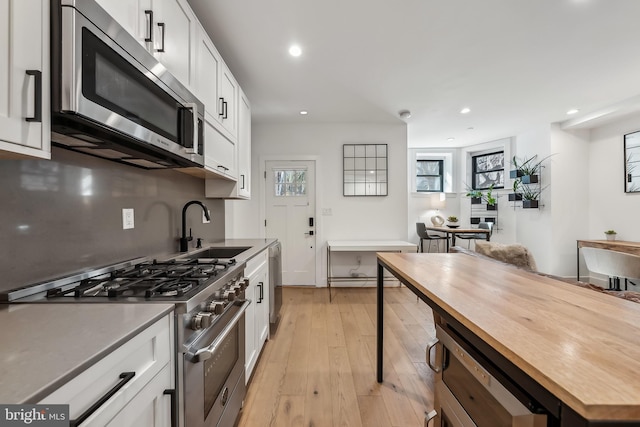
(111, 98)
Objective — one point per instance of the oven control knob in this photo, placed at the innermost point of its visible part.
(215, 307)
(229, 295)
(201, 320)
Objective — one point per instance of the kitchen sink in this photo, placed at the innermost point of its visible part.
(218, 252)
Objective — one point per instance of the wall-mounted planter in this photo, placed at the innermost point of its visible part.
(475, 220)
(492, 207)
(530, 204)
(515, 197)
(476, 200)
(491, 219)
(515, 174)
(529, 179)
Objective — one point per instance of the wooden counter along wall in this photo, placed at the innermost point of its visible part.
(581, 346)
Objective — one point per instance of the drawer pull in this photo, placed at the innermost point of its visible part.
(172, 392)
(125, 377)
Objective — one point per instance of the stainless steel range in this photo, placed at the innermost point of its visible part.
(209, 298)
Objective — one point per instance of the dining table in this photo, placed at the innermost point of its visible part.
(452, 231)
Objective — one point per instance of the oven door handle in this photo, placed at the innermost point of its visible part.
(206, 352)
(430, 346)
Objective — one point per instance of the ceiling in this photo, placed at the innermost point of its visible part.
(514, 63)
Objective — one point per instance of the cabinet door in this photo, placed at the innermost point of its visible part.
(208, 64)
(262, 307)
(219, 152)
(24, 79)
(174, 39)
(250, 331)
(229, 98)
(151, 407)
(244, 147)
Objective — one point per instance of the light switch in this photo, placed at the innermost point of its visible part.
(127, 219)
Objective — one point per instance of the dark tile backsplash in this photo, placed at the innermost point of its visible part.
(63, 215)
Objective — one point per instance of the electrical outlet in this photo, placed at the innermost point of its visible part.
(127, 219)
(327, 212)
(204, 218)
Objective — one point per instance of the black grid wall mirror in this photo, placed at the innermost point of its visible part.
(364, 169)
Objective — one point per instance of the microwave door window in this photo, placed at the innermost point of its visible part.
(111, 81)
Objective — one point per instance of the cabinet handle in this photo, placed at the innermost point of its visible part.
(162, 27)
(149, 15)
(223, 167)
(242, 176)
(431, 345)
(37, 90)
(224, 105)
(172, 392)
(261, 297)
(221, 113)
(125, 377)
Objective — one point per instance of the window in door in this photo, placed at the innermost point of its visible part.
(290, 183)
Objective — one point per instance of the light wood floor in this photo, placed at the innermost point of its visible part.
(319, 368)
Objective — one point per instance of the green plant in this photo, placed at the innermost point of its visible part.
(530, 192)
(452, 218)
(516, 184)
(528, 166)
(489, 196)
(610, 232)
(476, 194)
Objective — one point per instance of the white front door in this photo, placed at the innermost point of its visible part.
(290, 214)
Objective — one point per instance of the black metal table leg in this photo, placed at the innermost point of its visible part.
(380, 301)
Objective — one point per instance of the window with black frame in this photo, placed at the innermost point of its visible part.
(429, 176)
(488, 170)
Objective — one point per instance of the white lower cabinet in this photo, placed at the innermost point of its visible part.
(141, 401)
(257, 322)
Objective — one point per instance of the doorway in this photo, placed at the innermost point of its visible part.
(290, 217)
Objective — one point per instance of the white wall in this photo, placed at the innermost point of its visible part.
(569, 191)
(609, 205)
(352, 218)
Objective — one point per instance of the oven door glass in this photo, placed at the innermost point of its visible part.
(218, 368)
(484, 409)
(112, 82)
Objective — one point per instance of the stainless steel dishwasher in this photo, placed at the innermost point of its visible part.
(275, 286)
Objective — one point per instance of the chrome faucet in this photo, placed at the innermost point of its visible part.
(184, 240)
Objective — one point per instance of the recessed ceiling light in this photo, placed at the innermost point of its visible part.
(304, 112)
(470, 128)
(295, 50)
(465, 110)
(572, 111)
(450, 139)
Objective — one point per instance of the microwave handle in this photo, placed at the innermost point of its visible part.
(194, 114)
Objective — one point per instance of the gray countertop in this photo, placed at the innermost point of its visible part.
(46, 345)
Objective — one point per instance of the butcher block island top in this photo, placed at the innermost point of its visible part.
(581, 346)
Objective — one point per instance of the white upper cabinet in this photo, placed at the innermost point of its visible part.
(166, 28)
(25, 109)
(208, 64)
(228, 106)
(241, 187)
